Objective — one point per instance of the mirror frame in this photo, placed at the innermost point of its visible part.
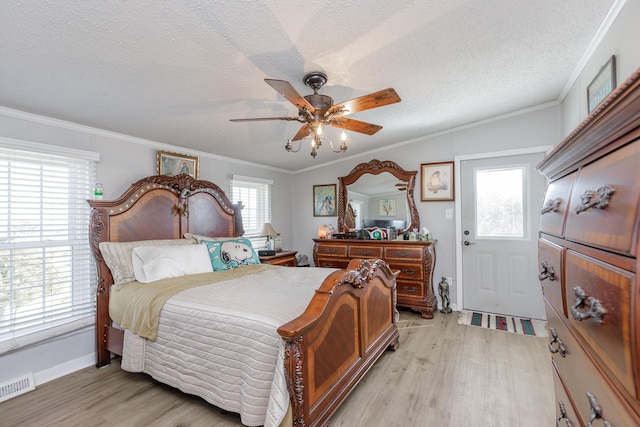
(376, 167)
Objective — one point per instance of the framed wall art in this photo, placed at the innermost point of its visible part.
(387, 207)
(324, 200)
(173, 164)
(436, 182)
(602, 84)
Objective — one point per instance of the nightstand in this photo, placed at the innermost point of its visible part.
(284, 258)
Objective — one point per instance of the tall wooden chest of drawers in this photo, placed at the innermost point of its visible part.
(588, 254)
(414, 259)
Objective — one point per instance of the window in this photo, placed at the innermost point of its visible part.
(500, 202)
(47, 277)
(255, 195)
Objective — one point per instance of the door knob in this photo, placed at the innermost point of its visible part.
(467, 243)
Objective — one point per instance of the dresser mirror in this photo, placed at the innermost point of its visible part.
(377, 194)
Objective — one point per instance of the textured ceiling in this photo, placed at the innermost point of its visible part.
(176, 71)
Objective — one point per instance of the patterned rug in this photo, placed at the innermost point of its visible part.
(517, 325)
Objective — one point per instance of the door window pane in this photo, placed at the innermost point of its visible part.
(500, 202)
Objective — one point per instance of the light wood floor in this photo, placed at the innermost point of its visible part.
(443, 374)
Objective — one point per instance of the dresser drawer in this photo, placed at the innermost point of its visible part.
(364, 251)
(403, 253)
(605, 289)
(610, 226)
(555, 206)
(581, 376)
(410, 289)
(565, 412)
(550, 274)
(327, 262)
(408, 271)
(332, 250)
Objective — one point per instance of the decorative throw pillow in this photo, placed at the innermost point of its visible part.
(231, 253)
(151, 263)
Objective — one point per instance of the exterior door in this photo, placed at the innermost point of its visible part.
(501, 198)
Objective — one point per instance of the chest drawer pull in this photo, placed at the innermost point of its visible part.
(596, 411)
(401, 254)
(408, 289)
(596, 310)
(604, 194)
(409, 272)
(559, 345)
(547, 272)
(563, 416)
(330, 250)
(551, 206)
(364, 251)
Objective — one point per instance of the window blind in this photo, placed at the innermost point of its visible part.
(47, 276)
(255, 195)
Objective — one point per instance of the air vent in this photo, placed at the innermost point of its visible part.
(16, 387)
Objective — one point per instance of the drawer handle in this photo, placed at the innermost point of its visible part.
(409, 289)
(604, 194)
(596, 411)
(563, 416)
(402, 254)
(330, 251)
(559, 348)
(364, 251)
(551, 206)
(547, 272)
(596, 310)
(409, 272)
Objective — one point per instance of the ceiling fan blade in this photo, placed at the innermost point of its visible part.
(264, 118)
(285, 89)
(354, 125)
(366, 102)
(303, 132)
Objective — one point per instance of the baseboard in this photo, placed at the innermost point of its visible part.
(63, 369)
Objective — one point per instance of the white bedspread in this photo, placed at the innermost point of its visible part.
(220, 342)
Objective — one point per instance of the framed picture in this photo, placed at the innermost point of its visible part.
(173, 164)
(437, 181)
(387, 207)
(324, 200)
(602, 84)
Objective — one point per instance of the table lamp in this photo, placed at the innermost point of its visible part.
(269, 233)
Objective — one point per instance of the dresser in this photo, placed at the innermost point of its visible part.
(587, 250)
(415, 260)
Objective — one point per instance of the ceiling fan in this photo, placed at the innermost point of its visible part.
(316, 111)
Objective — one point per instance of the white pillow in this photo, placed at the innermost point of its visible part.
(117, 256)
(151, 263)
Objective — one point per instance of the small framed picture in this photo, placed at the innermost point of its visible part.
(436, 182)
(387, 207)
(173, 164)
(324, 200)
(602, 84)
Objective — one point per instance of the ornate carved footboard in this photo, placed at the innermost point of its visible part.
(349, 323)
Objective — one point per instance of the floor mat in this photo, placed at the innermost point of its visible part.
(517, 325)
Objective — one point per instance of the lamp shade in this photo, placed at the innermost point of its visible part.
(267, 230)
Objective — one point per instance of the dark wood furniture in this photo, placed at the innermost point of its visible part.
(588, 253)
(351, 317)
(405, 179)
(284, 258)
(414, 260)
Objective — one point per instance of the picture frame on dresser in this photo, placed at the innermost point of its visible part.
(602, 84)
(324, 200)
(172, 164)
(436, 182)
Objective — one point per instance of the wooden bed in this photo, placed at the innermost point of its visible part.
(351, 317)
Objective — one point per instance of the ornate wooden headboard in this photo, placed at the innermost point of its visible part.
(158, 207)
